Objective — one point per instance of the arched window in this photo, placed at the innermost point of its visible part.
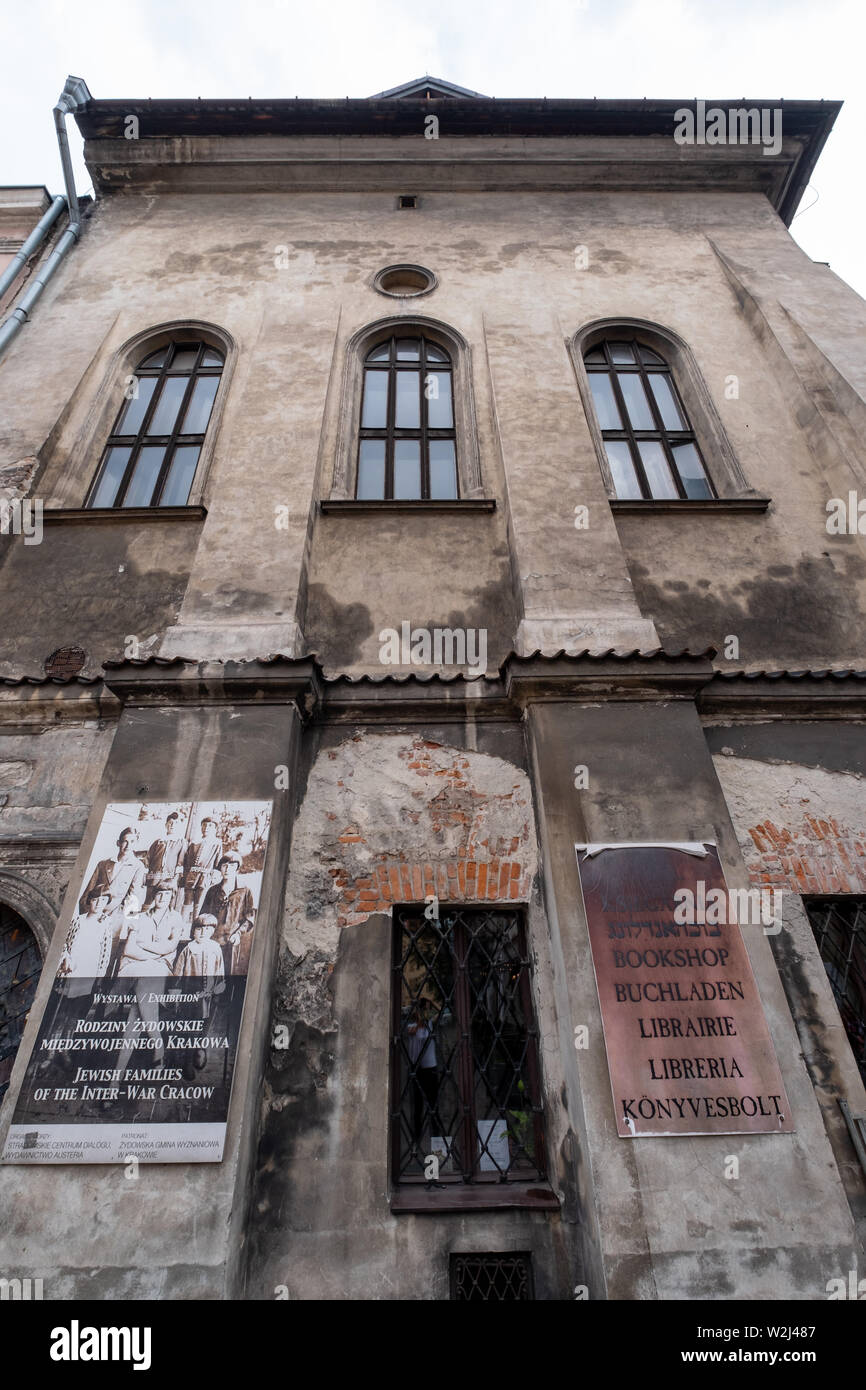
(20, 968)
(650, 445)
(153, 450)
(407, 442)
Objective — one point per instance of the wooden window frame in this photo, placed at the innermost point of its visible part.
(171, 441)
(661, 433)
(391, 433)
(732, 489)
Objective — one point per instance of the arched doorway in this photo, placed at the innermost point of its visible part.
(20, 968)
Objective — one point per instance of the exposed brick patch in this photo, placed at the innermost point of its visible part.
(815, 857)
(66, 661)
(388, 819)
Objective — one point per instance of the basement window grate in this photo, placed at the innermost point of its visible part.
(504, 1278)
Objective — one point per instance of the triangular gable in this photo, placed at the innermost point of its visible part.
(426, 87)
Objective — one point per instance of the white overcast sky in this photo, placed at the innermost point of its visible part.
(761, 49)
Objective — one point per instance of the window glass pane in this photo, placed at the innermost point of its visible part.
(408, 411)
(184, 359)
(691, 470)
(660, 384)
(175, 493)
(443, 468)
(162, 421)
(212, 358)
(112, 476)
(655, 465)
(380, 353)
(437, 389)
(435, 354)
(635, 401)
(147, 467)
(407, 468)
(375, 413)
(605, 403)
(624, 476)
(621, 352)
(371, 468)
(155, 359)
(647, 355)
(136, 406)
(408, 350)
(595, 357)
(198, 411)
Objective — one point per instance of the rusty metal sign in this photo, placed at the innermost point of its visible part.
(687, 1043)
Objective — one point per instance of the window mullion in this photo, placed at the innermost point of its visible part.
(173, 437)
(660, 424)
(629, 431)
(390, 417)
(422, 386)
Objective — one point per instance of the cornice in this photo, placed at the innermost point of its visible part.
(385, 698)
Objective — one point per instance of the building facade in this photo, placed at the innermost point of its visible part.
(470, 480)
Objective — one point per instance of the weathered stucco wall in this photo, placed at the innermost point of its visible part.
(288, 278)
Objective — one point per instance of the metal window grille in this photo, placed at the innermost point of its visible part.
(153, 451)
(839, 925)
(491, 1278)
(20, 968)
(465, 1085)
(651, 447)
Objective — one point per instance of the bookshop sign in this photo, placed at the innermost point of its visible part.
(687, 1042)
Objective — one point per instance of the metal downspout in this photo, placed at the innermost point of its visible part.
(35, 239)
(74, 94)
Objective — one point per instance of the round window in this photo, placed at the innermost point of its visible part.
(403, 281)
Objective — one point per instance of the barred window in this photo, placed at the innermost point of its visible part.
(153, 451)
(20, 968)
(505, 1278)
(650, 445)
(407, 444)
(839, 925)
(465, 1080)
